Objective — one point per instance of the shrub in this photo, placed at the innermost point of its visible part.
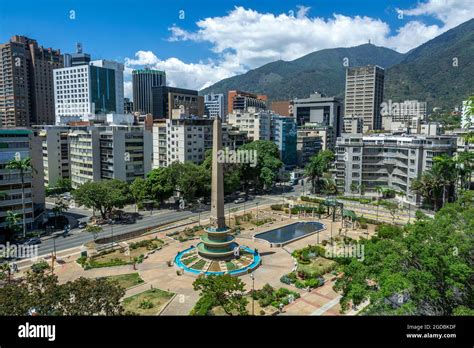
(146, 304)
(285, 279)
(299, 284)
(312, 282)
(40, 267)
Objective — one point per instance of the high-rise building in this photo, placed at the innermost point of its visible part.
(143, 82)
(26, 82)
(187, 139)
(128, 106)
(214, 106)
(253, 121)
(78, 58)
(284, 136)
(325, 111)
(18, 143)
(364, 95)
(387, 160)
(180, 140)
(83, 91)
(55, 150)
(311, 138)
(109, 152)
(169, 102)
(118, 68)
(238, 100)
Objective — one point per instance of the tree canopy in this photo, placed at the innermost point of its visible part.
(41, 291)
(103, 196)
(424, 268)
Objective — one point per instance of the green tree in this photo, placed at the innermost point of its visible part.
(354, 187)
(317, 166)
(60, 206)
(41, 291)
(268, 164)
(139, 191)
(12, 219)
(23, 166)
(160, 184)
(94, 229)
(428, 263)
(103, 196)
(226, 291)
(232, 173)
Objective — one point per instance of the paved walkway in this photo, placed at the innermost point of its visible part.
(320, 301)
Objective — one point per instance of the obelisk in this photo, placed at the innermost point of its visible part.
(217, 189)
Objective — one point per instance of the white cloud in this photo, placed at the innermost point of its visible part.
(245, 39)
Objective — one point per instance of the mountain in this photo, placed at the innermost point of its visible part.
(321, 71)
(425, 73)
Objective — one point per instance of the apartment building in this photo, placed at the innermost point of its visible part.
(188, 139)
(26, 82)
(255, 122)
(18, 143)
(311, 138)
(392, 161)
(364, 95)
(109, 152)
(55, 153)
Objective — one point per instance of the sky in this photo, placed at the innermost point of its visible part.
(199, 42)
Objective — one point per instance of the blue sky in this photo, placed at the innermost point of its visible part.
(217, 39)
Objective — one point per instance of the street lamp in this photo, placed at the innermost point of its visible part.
(253, 289)
(257, 211)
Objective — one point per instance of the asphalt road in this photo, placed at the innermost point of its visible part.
(78, 237)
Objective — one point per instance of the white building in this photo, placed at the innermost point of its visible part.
(109, 152)
(187, 139)
(214, 106)
(392, 161)
(55, 150)
(256, 123)
(84, 91)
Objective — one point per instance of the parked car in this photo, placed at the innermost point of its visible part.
(240, 200)
(82, 225)
(33, 241)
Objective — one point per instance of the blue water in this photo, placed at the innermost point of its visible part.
(287, 233)
(253, 265)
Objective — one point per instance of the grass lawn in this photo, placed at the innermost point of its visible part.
(118, 257)
(126, 280)
(149, 302)
(318, 266)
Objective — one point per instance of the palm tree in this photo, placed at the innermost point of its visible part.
(430, 186)
(23, 166)
(317, 166)
(12, 219)
(446, 166)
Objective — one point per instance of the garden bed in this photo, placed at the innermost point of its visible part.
(149, 302)
(126, 280)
